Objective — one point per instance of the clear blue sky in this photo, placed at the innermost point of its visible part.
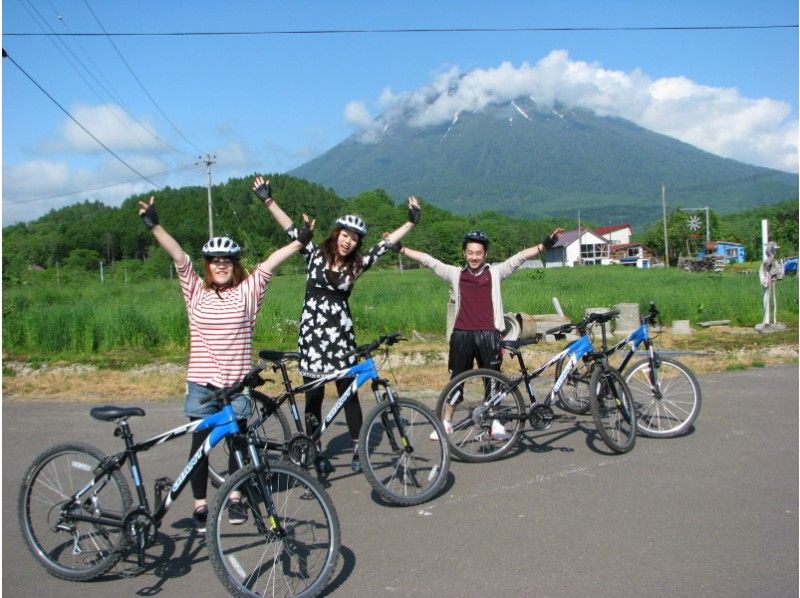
(268, 103)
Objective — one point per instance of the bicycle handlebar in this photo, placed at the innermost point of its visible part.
(601, 318)
(388, 339)
(250, 380)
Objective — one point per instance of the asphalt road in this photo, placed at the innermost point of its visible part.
(713, 513)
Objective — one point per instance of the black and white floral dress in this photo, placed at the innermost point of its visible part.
(326, 333)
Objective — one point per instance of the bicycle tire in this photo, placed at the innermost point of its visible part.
(403, 476)
(612, 409)
(55, 475)
(671, 409)
(573, 396)
(472, 439)
(274, 429)
(250, 559)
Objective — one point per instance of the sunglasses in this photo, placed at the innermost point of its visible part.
(221, 261)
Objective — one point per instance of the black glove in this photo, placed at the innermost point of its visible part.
(263, 191)
(549, 241)
(150, 217)
(304, 235)
(397, 246)
(414, 214)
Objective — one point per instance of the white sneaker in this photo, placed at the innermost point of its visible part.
(498, 431)
(448, 429)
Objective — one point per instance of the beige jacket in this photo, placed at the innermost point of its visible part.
(498, 271)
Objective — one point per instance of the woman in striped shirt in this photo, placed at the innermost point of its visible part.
(222, 308)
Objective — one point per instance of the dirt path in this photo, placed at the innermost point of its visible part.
(412, 368)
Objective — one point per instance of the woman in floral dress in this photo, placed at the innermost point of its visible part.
(326, 337)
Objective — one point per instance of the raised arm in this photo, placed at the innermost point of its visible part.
(413, 218)
(263, 191)
(150, 218)
(413, 254)
(548, 243)
(277, 257)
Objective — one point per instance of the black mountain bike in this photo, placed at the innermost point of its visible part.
(398, 459)
(665, 391)
(489, 413)
(79, 519)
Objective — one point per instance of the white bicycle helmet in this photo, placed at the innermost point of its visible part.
(476, 236)
(352, 223)
(221, 247)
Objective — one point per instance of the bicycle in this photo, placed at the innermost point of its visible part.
(665, 392)
(483, 396)
(78, 516)
(397, 458)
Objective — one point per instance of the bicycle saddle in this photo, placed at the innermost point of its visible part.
(109, 412)
(268, 355)
(517, 343)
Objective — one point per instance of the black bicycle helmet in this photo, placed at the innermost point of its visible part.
(222, 247)
(476, 236)
(352, 223)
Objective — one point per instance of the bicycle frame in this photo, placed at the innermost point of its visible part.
(575, 351)
(222, 424)
(361, 373)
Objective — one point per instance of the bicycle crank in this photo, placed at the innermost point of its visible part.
(541, 417)
(302, 451)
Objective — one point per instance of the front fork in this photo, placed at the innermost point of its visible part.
(260, 491)
(384, 393)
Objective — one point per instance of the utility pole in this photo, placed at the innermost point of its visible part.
(209, 160)
(664, 216)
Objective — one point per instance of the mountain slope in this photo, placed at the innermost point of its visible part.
(526, 161)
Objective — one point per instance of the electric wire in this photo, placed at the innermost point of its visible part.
(133, 74)
(63, 48)
(73, 119)
(114, 96)
(79, 191)
(424, 30)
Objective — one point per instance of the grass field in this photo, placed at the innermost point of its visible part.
(125, 324)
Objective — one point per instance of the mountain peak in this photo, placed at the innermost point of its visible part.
(530, 159)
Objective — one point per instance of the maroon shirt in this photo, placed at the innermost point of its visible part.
(475, 311)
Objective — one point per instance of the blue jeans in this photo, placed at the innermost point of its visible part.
(242, 404)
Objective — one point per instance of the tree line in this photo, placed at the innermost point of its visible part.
(81, 236)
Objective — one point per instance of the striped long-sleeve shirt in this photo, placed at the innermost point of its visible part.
(221, 326)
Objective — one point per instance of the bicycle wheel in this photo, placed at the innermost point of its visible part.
(573, 396)
(70, 549)
(404, 474)
(612, 409)
(276, 430)
(256, 558)
(482, 399)
(667, 400)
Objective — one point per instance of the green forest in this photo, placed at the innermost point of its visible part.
(91, 236)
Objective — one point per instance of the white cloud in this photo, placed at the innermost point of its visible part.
(718, 120)
(110, 124)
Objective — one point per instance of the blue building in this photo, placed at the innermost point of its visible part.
(732, 252)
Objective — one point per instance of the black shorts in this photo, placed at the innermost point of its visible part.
(468, 346)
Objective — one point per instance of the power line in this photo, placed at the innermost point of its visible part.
(125, 62)
(79, 191)
(411, 30)
(35, 14)
(73, 119)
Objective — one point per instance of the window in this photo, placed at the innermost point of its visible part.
(593, 253)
